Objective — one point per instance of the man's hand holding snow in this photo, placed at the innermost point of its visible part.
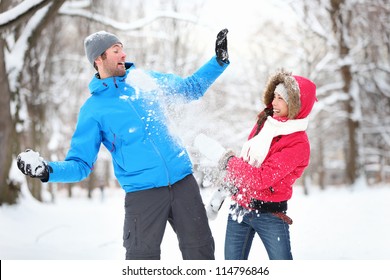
(33, 165)
(221, 50)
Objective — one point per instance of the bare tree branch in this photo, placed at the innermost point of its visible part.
(49, 16)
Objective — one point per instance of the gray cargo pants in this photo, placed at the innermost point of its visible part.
(146, 216)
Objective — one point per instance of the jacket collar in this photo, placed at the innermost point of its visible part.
(97, 85)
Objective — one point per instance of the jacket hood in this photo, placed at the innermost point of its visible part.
(301, 93)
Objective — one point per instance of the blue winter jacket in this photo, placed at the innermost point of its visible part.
(130, 123)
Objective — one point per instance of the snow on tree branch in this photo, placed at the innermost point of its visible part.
(19, 12)
(20, 46)
(70, 10)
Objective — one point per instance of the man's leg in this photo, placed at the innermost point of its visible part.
(189, 220)
(146, 215)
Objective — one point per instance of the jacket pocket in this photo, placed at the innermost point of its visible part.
(130, 232)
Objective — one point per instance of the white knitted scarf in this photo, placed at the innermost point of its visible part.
(256, 149)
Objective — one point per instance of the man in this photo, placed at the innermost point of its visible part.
(124, 114)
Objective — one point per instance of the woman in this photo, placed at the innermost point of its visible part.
(273, 158)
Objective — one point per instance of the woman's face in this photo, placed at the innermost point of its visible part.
(280, 106)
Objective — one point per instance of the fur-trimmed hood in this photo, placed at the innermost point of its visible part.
(301, 93)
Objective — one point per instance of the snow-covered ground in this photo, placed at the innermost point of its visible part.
(335, 224)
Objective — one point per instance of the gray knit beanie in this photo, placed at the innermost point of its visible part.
(97, 43)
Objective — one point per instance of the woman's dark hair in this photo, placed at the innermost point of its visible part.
(262, 117)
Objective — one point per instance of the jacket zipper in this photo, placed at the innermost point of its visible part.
(153, 143)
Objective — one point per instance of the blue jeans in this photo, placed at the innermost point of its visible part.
(273, 232)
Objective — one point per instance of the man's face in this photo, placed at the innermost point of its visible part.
(112, 62)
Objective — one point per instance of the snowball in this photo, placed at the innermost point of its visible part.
(209, 147)
(34, 160)
(138, 79)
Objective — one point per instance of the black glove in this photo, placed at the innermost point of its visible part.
(31, 164)
(221, 47)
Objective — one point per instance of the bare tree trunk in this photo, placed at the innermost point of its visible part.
(9, 141)
(341, 21)
(321, 164)
(38, 87)
(91, 183)
(8, 190)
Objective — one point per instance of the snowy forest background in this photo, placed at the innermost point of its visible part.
(342, 45)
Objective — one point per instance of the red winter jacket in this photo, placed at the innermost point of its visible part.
(288, 155)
